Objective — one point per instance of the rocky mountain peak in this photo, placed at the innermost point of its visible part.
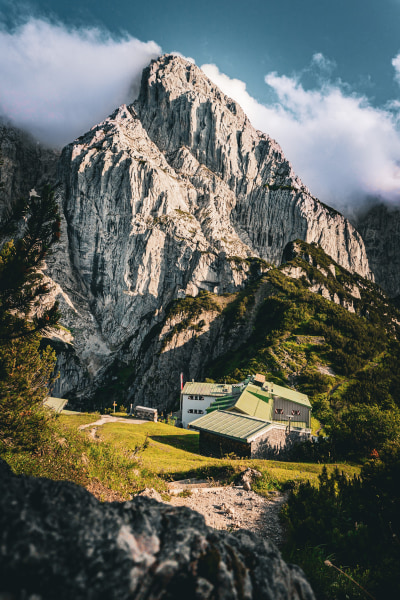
(170, 196)
(177, 76)
(179, 106)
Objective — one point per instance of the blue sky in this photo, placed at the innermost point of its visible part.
(321, 77)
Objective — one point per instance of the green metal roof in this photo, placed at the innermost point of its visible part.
(288, 394)
(255, 403)
(206, 389)
(56, 404)
(222, 403)
(231, 425)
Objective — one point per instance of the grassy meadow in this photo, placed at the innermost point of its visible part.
(127, 457)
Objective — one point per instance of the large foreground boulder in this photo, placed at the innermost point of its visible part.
(58, 542)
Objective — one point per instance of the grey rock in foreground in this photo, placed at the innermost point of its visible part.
(58, 541)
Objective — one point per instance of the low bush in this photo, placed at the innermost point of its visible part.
(352, 523)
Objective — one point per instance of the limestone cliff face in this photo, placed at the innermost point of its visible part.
(380, 229)
(137, 236)
(175, 194)
(181, 108)
(26, 164)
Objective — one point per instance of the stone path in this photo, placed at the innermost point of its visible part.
(233, 508)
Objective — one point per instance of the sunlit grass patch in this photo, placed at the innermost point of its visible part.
(173, 453)
(76, 419)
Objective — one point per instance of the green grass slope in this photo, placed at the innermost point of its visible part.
(173, 453)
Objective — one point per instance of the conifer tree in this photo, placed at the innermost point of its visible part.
(21, 283)
(25, 369)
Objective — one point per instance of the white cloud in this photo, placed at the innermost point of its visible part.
(57, 82)
(343, 148)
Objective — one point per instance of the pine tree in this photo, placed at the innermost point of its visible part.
(25, 370)
(25, 375)
(21, 283)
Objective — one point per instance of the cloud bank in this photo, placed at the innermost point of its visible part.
(344, 149)
(57, 82)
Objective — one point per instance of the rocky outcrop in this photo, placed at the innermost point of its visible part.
(162, 200)
(321, 275)
(380, 230)
(248, 477)
(57, 540)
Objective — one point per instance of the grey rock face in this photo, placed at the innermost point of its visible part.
(58, 541)
(172, 349)
(26, 165)
(157, 200)
(135, 239)
(181, 108)
(380, 230)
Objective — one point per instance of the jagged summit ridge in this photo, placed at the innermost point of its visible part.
(181, 108)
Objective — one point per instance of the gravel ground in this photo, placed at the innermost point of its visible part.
(232, 508)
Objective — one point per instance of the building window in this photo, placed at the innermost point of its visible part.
(279, 411)
(295, 413)
(195, 411)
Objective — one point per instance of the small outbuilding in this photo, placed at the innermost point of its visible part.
(146, 413)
